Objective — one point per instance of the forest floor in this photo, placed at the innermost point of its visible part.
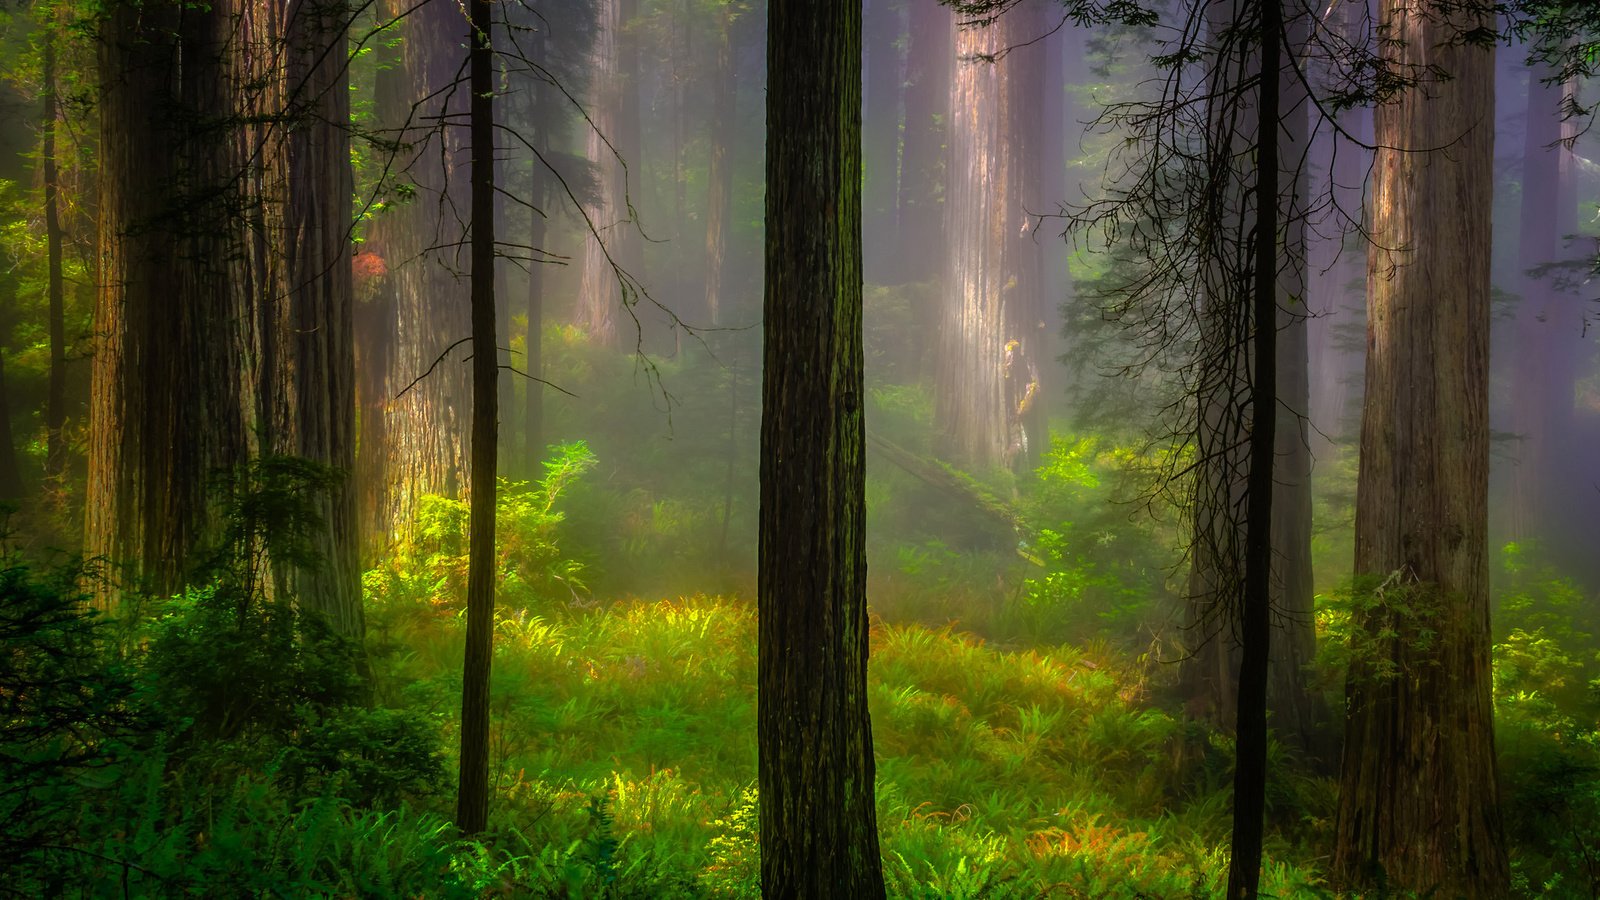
(624, 747)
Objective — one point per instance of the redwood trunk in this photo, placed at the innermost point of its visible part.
(1418, 801)
(819, 833)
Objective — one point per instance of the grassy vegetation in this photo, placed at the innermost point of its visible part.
(1028, 741)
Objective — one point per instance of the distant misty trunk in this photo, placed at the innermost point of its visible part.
(1550, 336)
(613, 143)
(168, 404)
(1338, 282)
(542, 117)
(719, 175)
(414, 383)
(880, 136)
(927, 99)
(992, 275)
(1338, 256)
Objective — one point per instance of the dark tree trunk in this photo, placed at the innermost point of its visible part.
(819, 833)
(472, 803)
(10, 473)
(172, 319)
(927, 99)
(1419, 800)
(55, 412)
(1255, 612)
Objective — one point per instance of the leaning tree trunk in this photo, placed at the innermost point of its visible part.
(819, 835)
(1418, 805)
(991, 290)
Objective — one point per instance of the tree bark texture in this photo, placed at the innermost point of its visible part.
(1418, 800)
(223, 318)
(414, 380)
(819, 833)
(472, 803)
(992, 275)
(612, 139)
(169, 399)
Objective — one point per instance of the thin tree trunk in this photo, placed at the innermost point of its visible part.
(472, 804)
(819, 834)
(1255, 614)
(1419, 798)
(55, 415)
(719, 178)
(10, 472)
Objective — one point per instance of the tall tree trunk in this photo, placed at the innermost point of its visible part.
(880, 136)
(1255, 613)
(719, 177)
(413, 361)
(819, 834)
(542, 116)
(1296, 713)
(55, 414)
(991, 290)
(1220, 553)
(168, 398)
(472, 805)
(604, 299)
(318, 338)
(1550, 335)
(1419, 800)
(927, 100)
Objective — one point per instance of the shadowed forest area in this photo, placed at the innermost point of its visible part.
(799, 448)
